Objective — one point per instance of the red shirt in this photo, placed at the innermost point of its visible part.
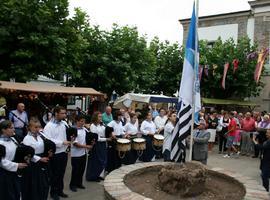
(248, 125)
(232, 127)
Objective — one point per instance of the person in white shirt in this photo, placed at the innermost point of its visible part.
(9, 180)
(35, 180)
(168, 130)
(148, 129)
(160, 120)
(55, 130)
(118, 131)
(98, 159)
(78, 155)
(131, 128)
(131, 131)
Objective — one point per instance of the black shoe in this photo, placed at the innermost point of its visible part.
(73, 188)
(100, 178)
(63, 195)
(81, 187)
(55, 197)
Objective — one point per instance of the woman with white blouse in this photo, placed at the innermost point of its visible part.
(35, 182)
(131, 131)
(9, 180)
(118, 131)
(148, 129)
(168, 130)
(97, 159)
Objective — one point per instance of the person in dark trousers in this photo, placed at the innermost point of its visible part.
(9, 180)
(78, 155)
(97, 159)
(265, 159)
(35, 180)
(224, 123)
(55, 130)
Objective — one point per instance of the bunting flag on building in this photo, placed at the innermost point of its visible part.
(189, 94)
(235, 65)
(226, 67)
(261, 59)
(201, 69)
(206, 68)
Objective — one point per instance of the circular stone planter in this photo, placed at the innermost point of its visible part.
(115, 188)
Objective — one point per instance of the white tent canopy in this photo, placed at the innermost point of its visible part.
(129, 98)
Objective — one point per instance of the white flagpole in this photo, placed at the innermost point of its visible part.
(193, 91)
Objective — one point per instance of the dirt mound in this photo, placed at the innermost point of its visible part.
(185, 179)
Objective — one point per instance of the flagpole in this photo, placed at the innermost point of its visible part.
(195, 74)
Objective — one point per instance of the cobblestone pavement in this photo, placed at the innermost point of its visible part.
(246, 166)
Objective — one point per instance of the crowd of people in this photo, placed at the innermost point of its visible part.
(239, 134)
(93, 146)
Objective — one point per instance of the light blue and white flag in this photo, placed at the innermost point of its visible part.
(189, 94)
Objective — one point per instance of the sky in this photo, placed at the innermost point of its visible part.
(152, 17)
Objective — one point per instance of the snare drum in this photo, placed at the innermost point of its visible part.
(139, 144)
(158, 140)
(123, 145)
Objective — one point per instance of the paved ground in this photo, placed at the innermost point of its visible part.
(246, 166)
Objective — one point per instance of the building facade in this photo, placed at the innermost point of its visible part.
(254, 23)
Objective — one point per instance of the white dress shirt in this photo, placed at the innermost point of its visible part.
(80, 139)
(37, 144)
(148, 127)
(118, 128)
(131, 129)
(160, 121)
(99, 130)
(168, 136)
(56, 132)
(7, 162)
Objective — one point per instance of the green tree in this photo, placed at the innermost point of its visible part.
(33, 38)
(240, 84)
(116, 60)
(169, 64)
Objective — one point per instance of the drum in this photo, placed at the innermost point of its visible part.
(158, 140)
(139, 144)
(123, 145)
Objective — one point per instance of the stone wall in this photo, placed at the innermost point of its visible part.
(262, 30)
(221, 20)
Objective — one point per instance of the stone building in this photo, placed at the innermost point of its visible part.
(254, 23)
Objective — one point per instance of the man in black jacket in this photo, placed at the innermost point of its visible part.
(265, 160)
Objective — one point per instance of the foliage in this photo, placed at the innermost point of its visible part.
(32, 37)
(240, 84)
(116, 60)
(169, 59)
(38, 38)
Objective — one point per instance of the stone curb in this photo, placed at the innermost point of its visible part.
(115, 188)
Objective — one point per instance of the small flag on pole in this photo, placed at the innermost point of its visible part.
(189, 95)
(260, 63)
(226, 67)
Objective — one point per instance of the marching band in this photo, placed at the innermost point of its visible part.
(100, 150)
